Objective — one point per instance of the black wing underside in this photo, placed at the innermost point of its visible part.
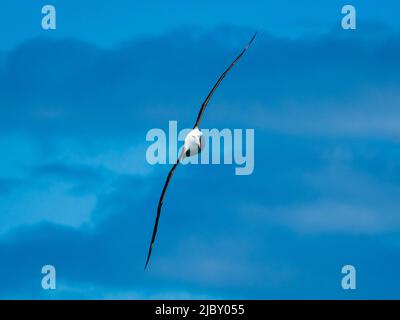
(160, 203)
(207, 100)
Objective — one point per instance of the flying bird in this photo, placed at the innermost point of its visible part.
(193, 145)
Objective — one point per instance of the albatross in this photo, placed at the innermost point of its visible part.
(193, 145)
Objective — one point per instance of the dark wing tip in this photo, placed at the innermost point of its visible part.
(148, 256)
(248, 45)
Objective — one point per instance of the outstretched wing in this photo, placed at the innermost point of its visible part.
(160, 203)
(204, 105)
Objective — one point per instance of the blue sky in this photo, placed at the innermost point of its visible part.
(76, 190)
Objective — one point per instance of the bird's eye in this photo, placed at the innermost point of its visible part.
(188, 153)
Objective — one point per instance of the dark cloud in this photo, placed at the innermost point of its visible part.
(200, 251)
(8, 184)
(74, 88)
(217, 246)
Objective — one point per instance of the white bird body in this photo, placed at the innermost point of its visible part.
(193, 143)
